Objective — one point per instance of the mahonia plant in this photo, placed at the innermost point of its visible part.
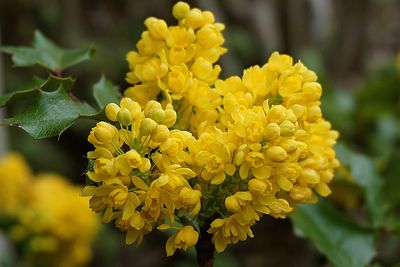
(205, 157)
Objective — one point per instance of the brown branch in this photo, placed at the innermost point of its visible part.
(204, 247)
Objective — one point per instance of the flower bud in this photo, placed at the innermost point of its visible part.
(208, 17)
(310, 176)
(157, 115)
(194, 18)
(133, 107)
(160, 134)
(323, 189)
(276, 153)
(103, 133)
(232, 204)
(147, 126)
(299, 110)
(312, 90)
(284, 183)
(158, 28)
(112, 110)
(124, 117)
(300, 193)
(180, 10)
(277, 114)
(258, 186)
(314, 113)
(272, 131)
(145, 166)
(287, 127)
(151, 106)
(170, 118)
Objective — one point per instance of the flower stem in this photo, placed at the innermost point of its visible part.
(204, 247)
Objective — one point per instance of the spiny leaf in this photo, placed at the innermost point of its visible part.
(32, 89)
(342, 241)
(50, 114)
(47, 54)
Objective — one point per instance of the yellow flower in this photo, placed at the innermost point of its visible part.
(232, 229)
(205, 71)
(183, 239)
(186, 140)
(214, 155)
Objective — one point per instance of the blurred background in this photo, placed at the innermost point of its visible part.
(352, 46)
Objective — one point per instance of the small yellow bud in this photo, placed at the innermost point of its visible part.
(323, 189)
(124, 117)
(312, 90)
(158, 28)
(151, 106)
(284, 183)
(314, 113)
(194, 18)
(300, 193)
(112, 110)
(145, 166)
(232, 204)
(310, 176)
(103, 132)
(277, 114)
(287, 127)
(170, 118)
(289, 145)
(160, 134)
(258, 186)
(272, 131)
(133, 107)
(208, 17)
(180, 10)
(157, 115)
(299, 110)
(147, 126)
(276, 153)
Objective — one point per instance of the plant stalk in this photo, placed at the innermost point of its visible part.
(204, 247)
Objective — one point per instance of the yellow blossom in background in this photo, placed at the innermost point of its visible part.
(189, 151)
(15, 179)
(51, 222)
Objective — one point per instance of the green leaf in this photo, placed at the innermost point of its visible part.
(105, 92)
(364, 172)
(47, 54)
(50, 115)
(32, 89)
(342, 241)
(51, 109)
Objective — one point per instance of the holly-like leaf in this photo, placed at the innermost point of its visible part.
(50, 114)
(47, 54)
(32, 89)
(105, 92)
(51, 107)
(364, 171)
(342, 241)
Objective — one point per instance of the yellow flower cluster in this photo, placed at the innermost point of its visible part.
(255, 145)
(49, 221)
(178, 62)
